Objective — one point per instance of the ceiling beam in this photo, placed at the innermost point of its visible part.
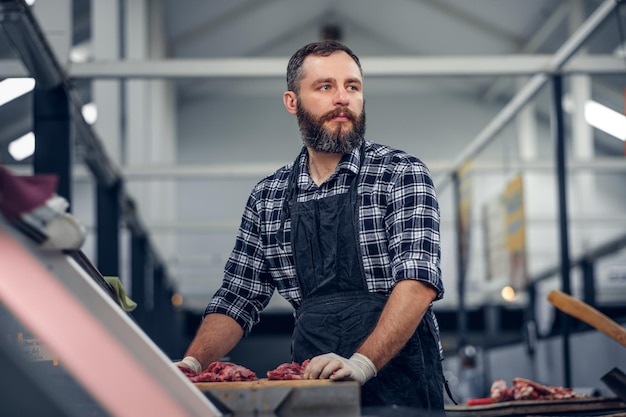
(442, 66)
(373, 67)
(252, 171)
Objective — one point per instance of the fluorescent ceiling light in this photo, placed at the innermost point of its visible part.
(90, 113)
(601, 117)
(22, 147)
(606, 119)
(30, 2)
(12, 88)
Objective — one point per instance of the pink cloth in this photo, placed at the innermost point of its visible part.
(20, 194)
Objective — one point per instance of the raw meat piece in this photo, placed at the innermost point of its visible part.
(528, 388)
(187, 371)
(228, 371)
(525, 389)
(500, 391)
(205, 376)
(288, 371)
(220, 372)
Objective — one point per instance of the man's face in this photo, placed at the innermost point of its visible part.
(330, 105)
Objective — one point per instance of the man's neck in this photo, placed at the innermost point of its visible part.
(322, 165)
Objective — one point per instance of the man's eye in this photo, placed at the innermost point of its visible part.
(353, 88)
(325, 87)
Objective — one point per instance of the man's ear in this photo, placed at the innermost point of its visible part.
(290, 100)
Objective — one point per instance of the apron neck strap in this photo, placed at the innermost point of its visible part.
(292, 187)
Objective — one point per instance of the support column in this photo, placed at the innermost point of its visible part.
(589, 286)
(560, 154)
(108, 233)
(460, 263)
(139, 259)
(52, 126)
(150, 134)
(527, 146)
(530, 327)
(159, 315)
(151, 116)
(105, 24)
(163, 130)
(584, 199)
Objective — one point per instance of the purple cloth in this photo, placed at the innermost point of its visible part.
(20, 194)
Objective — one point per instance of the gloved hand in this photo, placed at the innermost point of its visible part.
(332, 366)
(190, 362)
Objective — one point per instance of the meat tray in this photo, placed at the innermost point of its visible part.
(596, 406)
(293, 398)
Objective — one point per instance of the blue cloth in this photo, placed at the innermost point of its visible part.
(398, 231)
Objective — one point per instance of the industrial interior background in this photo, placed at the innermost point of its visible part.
(490, 94)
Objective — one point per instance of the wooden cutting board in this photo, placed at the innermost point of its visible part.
(311, 397)
(597, 406)
(266, 383)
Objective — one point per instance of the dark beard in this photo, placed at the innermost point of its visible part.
(316, 137)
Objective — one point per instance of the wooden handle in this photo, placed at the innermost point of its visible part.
(588, 314)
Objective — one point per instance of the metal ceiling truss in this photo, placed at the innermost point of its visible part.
(401, 66)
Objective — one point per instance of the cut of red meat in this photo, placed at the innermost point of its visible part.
(500, 391)
(221, 372)
(205, 376)
(187, 371)
(288, 371)
(229, 371)
(525, 389)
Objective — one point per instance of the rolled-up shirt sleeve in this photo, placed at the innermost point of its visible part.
(247, 287)
(413, 226)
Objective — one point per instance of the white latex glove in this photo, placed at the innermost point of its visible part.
(332, 366)
(190, 362)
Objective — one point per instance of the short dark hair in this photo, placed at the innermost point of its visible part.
(323, 48)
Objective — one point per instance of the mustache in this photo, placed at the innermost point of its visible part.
(339, 111)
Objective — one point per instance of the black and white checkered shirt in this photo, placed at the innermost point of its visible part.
(399, 231)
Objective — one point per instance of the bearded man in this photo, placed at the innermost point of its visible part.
(348, 234)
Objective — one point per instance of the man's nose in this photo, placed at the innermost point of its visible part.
(341, 97)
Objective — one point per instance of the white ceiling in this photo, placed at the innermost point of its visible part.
(393, 28)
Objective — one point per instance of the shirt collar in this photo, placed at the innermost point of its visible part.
(349, 162)
(352, 161)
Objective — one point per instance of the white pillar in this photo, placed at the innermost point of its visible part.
(105, 34)
(528, 149)
(151, 117)
(137, 93)
(582, 196)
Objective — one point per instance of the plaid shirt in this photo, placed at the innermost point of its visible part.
(399, 231)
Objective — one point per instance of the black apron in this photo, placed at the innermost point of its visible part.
(338, 312)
